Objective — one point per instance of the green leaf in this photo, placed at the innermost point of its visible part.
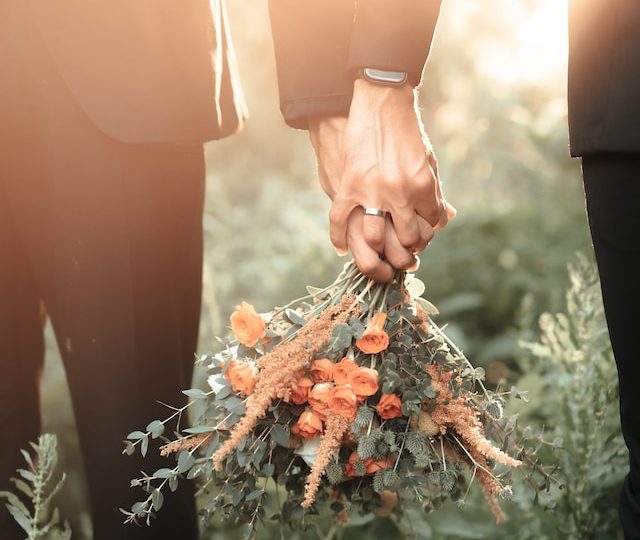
(281, 435)
(21, 518)
(144, 446)
(135, 435)
(173, 483)
(157, 499)
(199, 429)
(156, 428)
(295, 317)
(24, 487)
(195, 393)
(254, 495)
(27, 475)
(129, 449)
(223, 392)
(185, 461)
(340, 338)
(164, 473)
(13, 499)
(231, 403)
(427, 306)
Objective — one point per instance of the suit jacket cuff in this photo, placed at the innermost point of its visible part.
(297, 112)
(390, 37)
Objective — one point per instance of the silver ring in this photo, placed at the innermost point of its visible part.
(374, 212)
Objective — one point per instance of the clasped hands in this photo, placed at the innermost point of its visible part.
(379, 157)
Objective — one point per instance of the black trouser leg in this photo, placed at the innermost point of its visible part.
(612, 186)
(112, 235)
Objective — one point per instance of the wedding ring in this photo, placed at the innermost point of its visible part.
(374, 212)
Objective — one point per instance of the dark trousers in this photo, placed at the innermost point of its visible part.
(105, 237)
(612, 186)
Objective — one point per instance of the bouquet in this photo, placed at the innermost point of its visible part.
(350, 397)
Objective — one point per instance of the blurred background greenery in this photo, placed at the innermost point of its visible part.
(493, 102)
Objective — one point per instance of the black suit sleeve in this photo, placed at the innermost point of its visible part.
(320, 45)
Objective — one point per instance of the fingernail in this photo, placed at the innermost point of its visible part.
(451, 211)
(341, 253)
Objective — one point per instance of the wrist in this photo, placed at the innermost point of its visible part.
(401, 92)
(374, 93)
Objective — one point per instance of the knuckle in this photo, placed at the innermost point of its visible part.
(406, 262)
(368, 267)
(410, 238)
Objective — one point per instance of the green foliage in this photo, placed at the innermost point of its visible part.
(37, 484)
(578, 372)
(571, 374)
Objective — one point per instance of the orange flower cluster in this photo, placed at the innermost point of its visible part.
(334, 386)
(335, 429)
(456, 414)
(247, 326)
(281, 368)
(374, 339)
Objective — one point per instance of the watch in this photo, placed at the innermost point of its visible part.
(382, 76)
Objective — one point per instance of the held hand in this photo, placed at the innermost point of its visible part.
(326, 137)
(378, 158)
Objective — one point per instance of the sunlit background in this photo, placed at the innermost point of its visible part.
(493, 102)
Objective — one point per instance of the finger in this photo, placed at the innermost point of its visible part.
(426, 234)
(430, 204)
(398, 256)
(366, 258)
(338, 220)
(373, 229)
(405, 223)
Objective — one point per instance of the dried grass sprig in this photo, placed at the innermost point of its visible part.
(335, 429)
(457, 414)
(186, 443)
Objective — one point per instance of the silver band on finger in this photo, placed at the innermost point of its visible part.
(374, 212)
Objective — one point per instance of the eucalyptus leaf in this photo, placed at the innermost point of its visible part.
(185, 461)
(195, 393)
(295, 318)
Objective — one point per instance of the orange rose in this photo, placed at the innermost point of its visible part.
(300, 390)
(349, 470)
(371, 466)
(227, 373)
(342, 369)
(374, 465)
(389, 406)
(374, 339)
(247, 326)
(243, 377)
(321, 370)
(319, 397)
(343, 401)
(309, 425)
(364, 381)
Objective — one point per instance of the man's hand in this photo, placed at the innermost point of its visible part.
(379, 157)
